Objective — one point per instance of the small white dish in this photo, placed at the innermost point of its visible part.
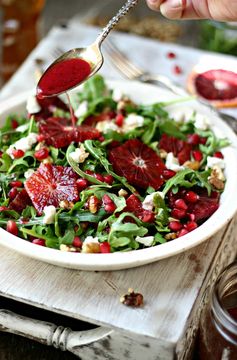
(140, 93)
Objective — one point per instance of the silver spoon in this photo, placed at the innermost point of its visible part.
(91, 54)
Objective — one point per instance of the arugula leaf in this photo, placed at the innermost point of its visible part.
(161, 210)
(178, 180)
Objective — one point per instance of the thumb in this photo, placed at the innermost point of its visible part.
(173, 9)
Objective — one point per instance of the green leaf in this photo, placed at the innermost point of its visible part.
(120, 242)
(161, 210)
(67, 239)
(170, 128)
(178, 180)
(159, 239)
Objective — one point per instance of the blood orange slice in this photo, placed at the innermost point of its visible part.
(138, 163)
(134, 205)
(51, 184)
(219, 87)
(180, 148)
(59, 132)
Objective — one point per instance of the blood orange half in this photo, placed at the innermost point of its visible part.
(219, 87)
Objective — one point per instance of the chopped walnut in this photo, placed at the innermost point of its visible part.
(67, 248)
(163, 154)
(132, 299)
(65, 204)
(122, 192)
(93, 204)
(217, 183)
(171, 236)
(194, 165)
(91, 248)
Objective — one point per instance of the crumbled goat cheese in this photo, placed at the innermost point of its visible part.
(79, 155)
(106, 126)
(117, 95)
(132, 121)
(49, 214)
(201, 122)
(28, 173)
(22, 128)
(32, 105)
(82, 109)
(148, 203)
(172, 163)
(146, 240)
(181, 114)
(23, 144)
(91, 239)
(213, 161)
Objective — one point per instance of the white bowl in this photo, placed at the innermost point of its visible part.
(140, 93)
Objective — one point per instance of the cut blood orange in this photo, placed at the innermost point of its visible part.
(51, 184)
(60, 133)
(138, 163)
(219, 87)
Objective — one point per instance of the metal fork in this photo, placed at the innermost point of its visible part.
(133, 72)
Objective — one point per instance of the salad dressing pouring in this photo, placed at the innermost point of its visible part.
(77, 65)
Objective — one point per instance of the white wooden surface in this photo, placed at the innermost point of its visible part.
(174, 289)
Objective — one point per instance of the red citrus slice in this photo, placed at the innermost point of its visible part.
(59, 132)
(20, 202)
(181, 149)
(138, 163)
(219, 87)
(51, 184)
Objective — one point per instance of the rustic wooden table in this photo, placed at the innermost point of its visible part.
(175, 289)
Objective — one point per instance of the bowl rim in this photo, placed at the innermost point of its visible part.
(125, 260)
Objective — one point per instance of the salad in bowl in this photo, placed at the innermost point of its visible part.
(111, 176)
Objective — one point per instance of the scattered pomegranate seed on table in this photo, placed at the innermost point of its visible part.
(171, 55)
(177, 70)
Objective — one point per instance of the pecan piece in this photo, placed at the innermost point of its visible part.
(132, 299)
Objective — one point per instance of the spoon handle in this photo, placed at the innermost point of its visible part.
(123, 11)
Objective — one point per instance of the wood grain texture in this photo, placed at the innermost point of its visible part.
(170, 288)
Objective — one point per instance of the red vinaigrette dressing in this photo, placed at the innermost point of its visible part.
(62, 76)
(218, 325)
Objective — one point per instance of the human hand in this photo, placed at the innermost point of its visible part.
(196, 9)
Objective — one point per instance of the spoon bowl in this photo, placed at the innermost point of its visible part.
(77, 65)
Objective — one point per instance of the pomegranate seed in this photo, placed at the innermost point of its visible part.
(168, 174)
(191, 225)
(197, 155)
(13, 193)
(178, 213)
(148, 217)
(16, 184)
(180, 204)
(177, 70)
(12, 227)
(82, 184)
(18, 153)
(40, 242)
(89, 172)
(203, 140)
(119, 120)
(14, 124)
(175, 226)
(182, 232)
(77, 242)
(191, 217)
(193, 139)
(40, 137)
(108, 203)
(171, 55)
(218, 154)
(4, 208)
(101, 138)
(105, 247)
(99, 177)
(191, 196)
(41, 154)
(109, 179)
(1, 153)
